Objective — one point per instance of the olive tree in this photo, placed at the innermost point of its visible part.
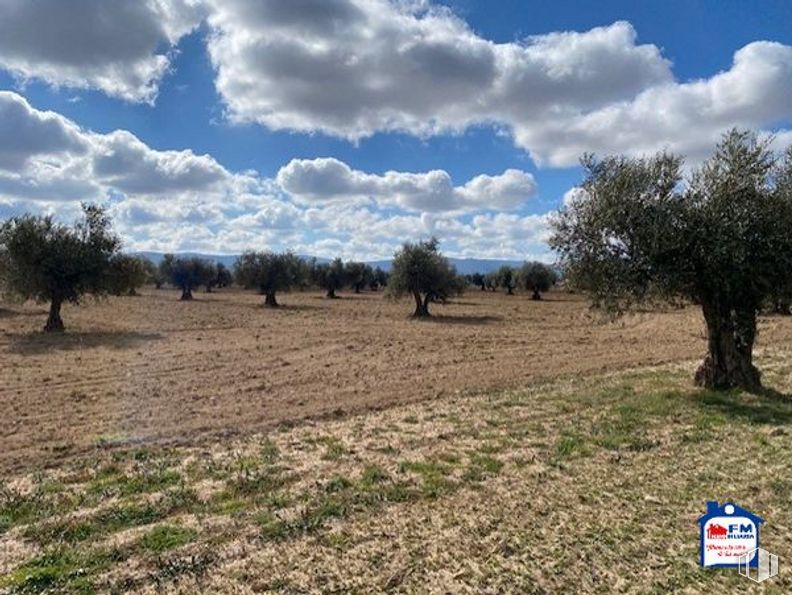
(491, 280)
(154, 274)
(358, 275)
(51, 262)
(721, 239)
(224, 277)
(479, 280)
(536, 277)
(187, 273)
(421, 271)
(221, 278)
(506, 278)
(330, 276)
(268, 272)
(379, 279)
(126, 274)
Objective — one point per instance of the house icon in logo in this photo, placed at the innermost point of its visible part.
(715, 530)
(729, 536)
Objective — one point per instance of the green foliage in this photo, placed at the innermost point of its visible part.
(154, 273)
(421, 271)
(62, 570)
(536, 277)
(166, 537)
(330, 277)
(379, 279)
(50, 262)
(113, 483)
(268, 272)
(721, 240)
(478, 280)
(187, 273)
(127, 274)
(481, 466)
(21, 507)
(358, 275)
(491, 280)
(506, 278)
(224, 277)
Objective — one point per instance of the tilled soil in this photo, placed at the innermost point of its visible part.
(150, 368)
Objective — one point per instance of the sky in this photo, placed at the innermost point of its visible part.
(346, 127)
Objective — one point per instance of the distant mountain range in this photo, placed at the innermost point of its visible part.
(464, 266)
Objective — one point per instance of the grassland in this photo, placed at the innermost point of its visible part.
(569, 478)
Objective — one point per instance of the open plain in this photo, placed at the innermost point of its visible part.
(337, 446)
(149, 368)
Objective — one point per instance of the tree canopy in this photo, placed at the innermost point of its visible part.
(379, 279)
(127, 274)
(720, 238)
(330, 276)
(536, 277)
(268, 272)
(358, 275)
(154, 274)
(477, 279)
(224, 277)
(51, 262)
(506, 278)
(187, 273)
(420, 270)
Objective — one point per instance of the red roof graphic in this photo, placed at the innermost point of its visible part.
(716, 530)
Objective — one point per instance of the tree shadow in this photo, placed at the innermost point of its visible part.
(37, 343)
(285, 307)
(556, 298)
(465, 320)
(10, 313)
(465, 303)
(765, 406)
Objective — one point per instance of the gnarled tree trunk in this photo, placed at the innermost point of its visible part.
(730, 338)
(186, 294)
(331, 294)
(421, 305)
(269, 299)
(536, 295)
(54, 320)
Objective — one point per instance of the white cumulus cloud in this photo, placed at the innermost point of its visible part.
(328, 179)
(120, 47)
(355, 68)
(174, 200)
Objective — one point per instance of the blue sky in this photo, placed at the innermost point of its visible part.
(348, 126)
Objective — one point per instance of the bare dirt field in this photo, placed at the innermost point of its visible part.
(161, 446)
(152, 369)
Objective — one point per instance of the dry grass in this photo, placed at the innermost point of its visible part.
(580, 484)
(573, 483)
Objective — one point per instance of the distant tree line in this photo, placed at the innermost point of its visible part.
(533, 276)
(639, 233)
(52, 262)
